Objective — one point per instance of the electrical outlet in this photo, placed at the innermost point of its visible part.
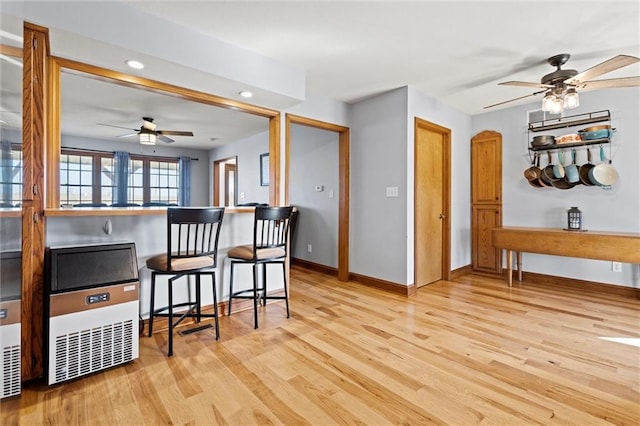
(616, 267)
(309, 248)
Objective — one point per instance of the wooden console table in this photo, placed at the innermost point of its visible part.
(599, 245)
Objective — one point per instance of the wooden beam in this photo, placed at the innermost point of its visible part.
(34, 120)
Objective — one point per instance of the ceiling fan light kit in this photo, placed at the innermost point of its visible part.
(147, 137)
(556, 101)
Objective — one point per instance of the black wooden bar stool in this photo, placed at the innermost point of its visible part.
(270, 238)
(192, 249)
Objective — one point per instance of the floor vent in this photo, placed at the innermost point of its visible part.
(10, 371)
(87, 351)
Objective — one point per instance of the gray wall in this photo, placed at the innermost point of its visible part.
(378, 224)
(10, 233)
(248, 166)
(614, 210)
(199, 167)
(314, 162)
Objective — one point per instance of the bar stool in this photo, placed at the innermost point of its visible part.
(192, 249)
(270, 235)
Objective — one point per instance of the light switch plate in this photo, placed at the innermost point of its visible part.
(392, 191)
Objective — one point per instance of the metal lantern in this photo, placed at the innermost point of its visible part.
(574, 219)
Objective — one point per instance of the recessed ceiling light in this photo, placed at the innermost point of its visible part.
(246, 94)
(135, 64)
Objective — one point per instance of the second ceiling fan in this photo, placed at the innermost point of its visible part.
(148, 132)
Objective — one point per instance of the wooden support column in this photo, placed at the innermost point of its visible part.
(34, 86)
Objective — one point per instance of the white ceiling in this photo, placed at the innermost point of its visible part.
(454, 51)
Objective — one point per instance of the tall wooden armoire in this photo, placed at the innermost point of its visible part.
(486, 200)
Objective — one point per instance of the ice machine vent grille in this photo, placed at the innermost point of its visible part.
(87, 351)
(10, 371)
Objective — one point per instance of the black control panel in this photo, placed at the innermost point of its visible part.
(98, 298)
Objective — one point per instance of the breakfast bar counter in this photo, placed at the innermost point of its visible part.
(124, 211)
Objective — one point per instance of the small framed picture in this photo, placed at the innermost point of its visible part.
(264, 169)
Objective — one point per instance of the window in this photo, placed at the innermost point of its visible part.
(86, 177)
(89, 177)
(11, 175)
(153, 180)
(163, 182)
(136, 181)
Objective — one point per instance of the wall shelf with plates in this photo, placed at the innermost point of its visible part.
(572, 121)
(571, 145)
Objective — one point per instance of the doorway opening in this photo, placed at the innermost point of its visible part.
(343, 182)
(225, 182)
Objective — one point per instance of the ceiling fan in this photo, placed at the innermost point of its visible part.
(148, 134)
(561, 86)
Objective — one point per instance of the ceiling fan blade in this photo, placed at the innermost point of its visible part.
(118, 127)
(174, 133)
(527, 84)
(515, 99)
(127, 135)
(603, 68)
(610, 83)
(165, 139)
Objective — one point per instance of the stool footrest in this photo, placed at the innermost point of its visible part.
(181, 315)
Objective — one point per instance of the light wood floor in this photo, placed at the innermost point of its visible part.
(467, 352)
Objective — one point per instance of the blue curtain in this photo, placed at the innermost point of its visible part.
(7, 172)
(184, 193)
(121, 169)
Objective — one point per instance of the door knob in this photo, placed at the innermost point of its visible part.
(442, 216)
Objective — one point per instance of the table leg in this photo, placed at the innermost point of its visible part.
(510, 267)
(519, 260)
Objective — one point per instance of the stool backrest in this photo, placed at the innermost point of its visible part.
(193, 232)
(271, 227)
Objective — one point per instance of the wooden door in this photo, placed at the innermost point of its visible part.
(486, 200)
(486, 258)
(486, 168)
(431, 250)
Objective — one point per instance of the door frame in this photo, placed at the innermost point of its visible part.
(446, 196)
(228, 167)
(216, 179)
(343, 183)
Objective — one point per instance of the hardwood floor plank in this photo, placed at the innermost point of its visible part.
(462, 352)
